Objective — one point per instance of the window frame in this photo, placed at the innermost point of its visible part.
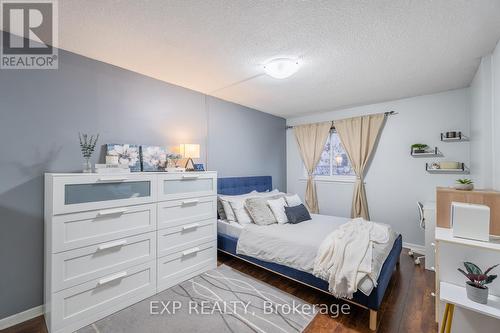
(331, 177)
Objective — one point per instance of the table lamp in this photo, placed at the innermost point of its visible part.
(190, 151)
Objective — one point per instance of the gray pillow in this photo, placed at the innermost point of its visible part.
(220, 210)
(259, 210)
(297, 214)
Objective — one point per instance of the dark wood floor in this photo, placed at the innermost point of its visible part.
(408, 305)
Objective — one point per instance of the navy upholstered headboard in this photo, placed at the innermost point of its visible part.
(242, 185)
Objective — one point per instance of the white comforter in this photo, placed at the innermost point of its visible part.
(297, 245)
(345, 256)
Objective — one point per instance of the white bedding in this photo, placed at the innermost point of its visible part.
(232, 229)
(296, 245)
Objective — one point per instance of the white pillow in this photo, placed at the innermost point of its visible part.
(293, 200)
(278, 208)
(224, 199)
(240, 211)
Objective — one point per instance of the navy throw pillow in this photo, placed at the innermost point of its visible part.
(297, 214)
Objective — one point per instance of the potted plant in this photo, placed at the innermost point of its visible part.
(464, 184)
(419, 148)
(476, 286)
(87, 146)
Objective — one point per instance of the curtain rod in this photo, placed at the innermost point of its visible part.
(388, 113)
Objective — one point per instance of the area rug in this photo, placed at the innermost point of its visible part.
(220, 300)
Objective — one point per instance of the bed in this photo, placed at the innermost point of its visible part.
(227, 240)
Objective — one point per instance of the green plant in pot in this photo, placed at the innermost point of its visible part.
(464, 184)
(419, 148)
(476, 286)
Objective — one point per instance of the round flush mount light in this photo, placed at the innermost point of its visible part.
(281, 68)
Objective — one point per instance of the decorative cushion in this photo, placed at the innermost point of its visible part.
(297, 214)
(278, 208)
(259, 210)
(240, 211)
(228, 211)
(293, 200)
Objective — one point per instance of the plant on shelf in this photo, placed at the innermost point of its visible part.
(419, 148)
(87, 146)
(476, 286)
(464, 184)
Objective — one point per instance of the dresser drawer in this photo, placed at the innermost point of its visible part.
(82, 229)
(77, 266)
(186, 185)
(184, 237)
(178, 212)
(180, 266)
(92, 191)
(86, 303)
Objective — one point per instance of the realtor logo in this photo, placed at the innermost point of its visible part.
(29, 34)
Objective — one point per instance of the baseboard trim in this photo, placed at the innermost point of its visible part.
(21, 317)
(420, 249)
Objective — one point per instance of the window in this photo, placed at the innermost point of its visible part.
(334, 161)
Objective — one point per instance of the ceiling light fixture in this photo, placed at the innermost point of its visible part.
(281, 68)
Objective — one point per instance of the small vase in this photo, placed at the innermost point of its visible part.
(87, 166)
(475, 294)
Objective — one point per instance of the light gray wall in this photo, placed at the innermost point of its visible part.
(395, 181)
(485, 122)
(481, 129)
(242, 142)
(41, 112)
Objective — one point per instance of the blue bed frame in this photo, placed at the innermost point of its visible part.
(227, 244)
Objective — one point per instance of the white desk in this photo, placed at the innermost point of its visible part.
(451, 252)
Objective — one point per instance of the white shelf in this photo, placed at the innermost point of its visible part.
(453, 294)
(446, 235)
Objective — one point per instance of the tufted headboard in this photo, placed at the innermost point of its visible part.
(242, 185)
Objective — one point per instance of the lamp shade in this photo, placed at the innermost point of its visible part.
(190, 150)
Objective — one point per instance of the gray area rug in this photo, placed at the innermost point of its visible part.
(221, 300)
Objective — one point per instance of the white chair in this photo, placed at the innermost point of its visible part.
(422, 225)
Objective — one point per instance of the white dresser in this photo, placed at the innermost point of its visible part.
(112, 240)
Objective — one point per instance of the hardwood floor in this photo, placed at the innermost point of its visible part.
(408, 305)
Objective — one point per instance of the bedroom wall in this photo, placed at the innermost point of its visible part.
(41, 112)
(395, 181)
(485, 122)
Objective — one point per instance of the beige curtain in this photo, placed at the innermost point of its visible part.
(311, 139)
(359, 136)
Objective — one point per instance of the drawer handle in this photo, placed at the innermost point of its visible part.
(112, 211)
(112, 278)
(112, 179)
(112, 244)
(191, 251)
(433, 244)
(191, 226)
(190, 202)
(190, 177)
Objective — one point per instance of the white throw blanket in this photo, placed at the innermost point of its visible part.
(345, 256)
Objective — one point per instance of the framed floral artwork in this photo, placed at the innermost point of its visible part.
(154, 158)
(127, 154)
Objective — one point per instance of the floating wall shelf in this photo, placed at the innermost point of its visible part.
(463, 169)
(459, 138)
(433, 153)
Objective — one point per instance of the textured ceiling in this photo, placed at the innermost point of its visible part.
(353, 52)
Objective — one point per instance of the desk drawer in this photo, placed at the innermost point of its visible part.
(183, 265)
(179, 212)
(186, 185)
(86, 303)
(71, 231)
(88, 192)
(183, 237)
(78, 266)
